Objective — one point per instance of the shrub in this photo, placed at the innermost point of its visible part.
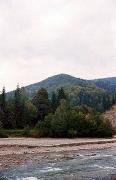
(72, 133)
(26, 132)
(3, 134)
(72, 123)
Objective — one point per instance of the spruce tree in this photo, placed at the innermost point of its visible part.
(54, 102)
(3, 110)
(3, 100)
(18, 108)
(41, 101)
(61, 95)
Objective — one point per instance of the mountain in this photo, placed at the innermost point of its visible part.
(55, 82)
(80, 91)
(68, 82)
(108, 84)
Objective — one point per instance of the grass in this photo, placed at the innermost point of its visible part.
(3, 134)
(15, 133)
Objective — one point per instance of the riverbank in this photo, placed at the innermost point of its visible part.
(21, 151)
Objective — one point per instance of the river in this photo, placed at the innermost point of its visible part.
(87, 165)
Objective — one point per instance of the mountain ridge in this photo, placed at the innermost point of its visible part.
(108, 84)
(53, 83)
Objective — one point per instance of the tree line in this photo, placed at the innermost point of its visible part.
(55, 116)
(20, 111)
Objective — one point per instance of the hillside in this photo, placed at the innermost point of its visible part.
(111, 115)
(108, 84)
(64, 80)
(79, 91)
(55, 82)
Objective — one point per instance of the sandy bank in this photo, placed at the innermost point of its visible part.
(18, 151)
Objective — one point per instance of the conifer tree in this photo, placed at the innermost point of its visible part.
(3, 100)
(18, 108)
(41, 101)
(3, 109)
(61, 95)
(54, 102)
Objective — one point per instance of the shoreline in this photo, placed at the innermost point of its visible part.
(21, 151)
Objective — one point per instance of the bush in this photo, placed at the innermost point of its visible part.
(26, 132)
(72, 123)
(43, 128)
(72, 133)
(3, 134)
(16, 133)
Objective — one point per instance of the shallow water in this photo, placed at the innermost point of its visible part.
(88, 165)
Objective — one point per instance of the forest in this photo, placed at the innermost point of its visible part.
(57, 115)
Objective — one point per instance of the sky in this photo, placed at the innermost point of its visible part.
(41, 38)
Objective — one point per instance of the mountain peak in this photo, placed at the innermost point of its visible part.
(55, 82)
(67, 81)
(62, 75)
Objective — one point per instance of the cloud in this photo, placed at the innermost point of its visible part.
(46, 37)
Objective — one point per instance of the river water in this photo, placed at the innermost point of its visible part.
(87, 165)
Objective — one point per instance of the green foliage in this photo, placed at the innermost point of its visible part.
(42, 103)
(19, 111)
(67, 114)
(74, 123)
(80, 92)
(54, 101)
(18, 106)
(3, 134)
(30, 113)
(3, 109)
(24, 111)
(52, 84)
(72, 133)
(91, 97)
(60, 120)
(17, 132)
(11, 114)
(1, 119)
(109, 84)
(3, 100)
(61, 94)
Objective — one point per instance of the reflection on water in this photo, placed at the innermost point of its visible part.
(88, 166)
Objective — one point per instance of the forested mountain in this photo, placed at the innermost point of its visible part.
(60, 106)
(67, 82)
(109, 84)
(55, 82)
(80, 91)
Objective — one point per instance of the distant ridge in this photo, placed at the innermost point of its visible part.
(55, 82)
(67, 81)
(109, 84)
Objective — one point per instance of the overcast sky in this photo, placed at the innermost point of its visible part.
(40, 38)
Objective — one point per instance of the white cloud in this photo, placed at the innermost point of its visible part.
(46, 37)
